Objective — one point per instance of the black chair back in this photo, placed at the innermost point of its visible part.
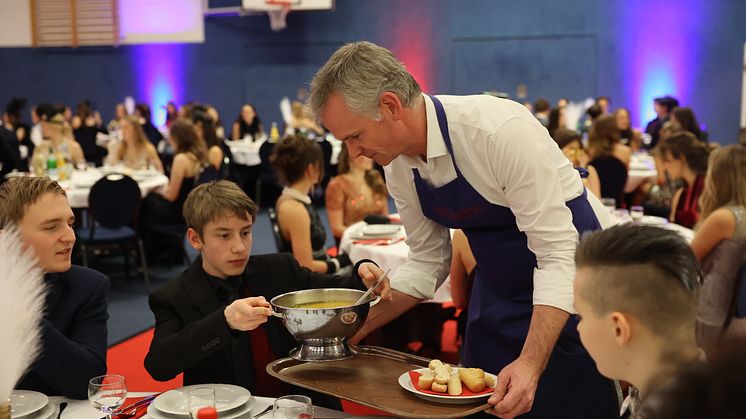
(279, 242)
(265, 150)
(114, 201)
(613, 176)
(740, 293)
(206, 175)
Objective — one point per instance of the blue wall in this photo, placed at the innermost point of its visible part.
(630, 50)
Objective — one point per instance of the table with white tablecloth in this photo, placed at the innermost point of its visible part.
(641, 168)
(246, 152)
(387, 256)
(78, 187)
(82, 409)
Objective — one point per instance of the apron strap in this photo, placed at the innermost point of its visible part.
(443, 125)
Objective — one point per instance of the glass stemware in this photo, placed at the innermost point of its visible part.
(107, 393)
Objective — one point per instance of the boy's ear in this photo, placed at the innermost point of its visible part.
(194, 239)
(622, 328)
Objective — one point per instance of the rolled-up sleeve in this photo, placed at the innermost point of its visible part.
(527, 172)
(429, 258)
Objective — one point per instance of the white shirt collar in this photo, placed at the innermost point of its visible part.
(292, 193)
(436, 144)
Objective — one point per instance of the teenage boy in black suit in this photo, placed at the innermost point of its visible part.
(213, 320)
(74, 324)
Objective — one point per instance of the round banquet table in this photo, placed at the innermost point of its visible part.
(78, 187)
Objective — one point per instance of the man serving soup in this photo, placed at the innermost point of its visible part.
(212, 320)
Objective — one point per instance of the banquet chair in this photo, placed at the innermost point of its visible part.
(739, 303)
(175, 234)
(613, 176)
(266, 183)
(113, 205)
(276, 231)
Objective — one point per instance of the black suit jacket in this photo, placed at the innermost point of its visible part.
(73, 334)
(191, 333)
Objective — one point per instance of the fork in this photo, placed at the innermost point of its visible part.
(263, 412)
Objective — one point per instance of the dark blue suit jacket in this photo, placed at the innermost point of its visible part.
(73, 334)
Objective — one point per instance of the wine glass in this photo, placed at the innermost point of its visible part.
(637, 212)
(292, 407)
(107, 393)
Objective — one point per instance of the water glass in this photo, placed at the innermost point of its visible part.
(610, 204)
(636, 212)
(107, 393)
(200, 397)
(292, 407)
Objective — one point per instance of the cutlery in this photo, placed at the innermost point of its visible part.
(367, 293)
(131, 410)
(63, 405)
(263, 412)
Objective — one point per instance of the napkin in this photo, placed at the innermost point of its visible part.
(415, 377)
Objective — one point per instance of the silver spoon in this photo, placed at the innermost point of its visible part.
(367, 293)
(63, 405)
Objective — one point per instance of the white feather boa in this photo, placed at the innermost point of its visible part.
(22, 304)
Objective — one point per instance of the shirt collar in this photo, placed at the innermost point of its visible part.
(436, 145)
(296, 195)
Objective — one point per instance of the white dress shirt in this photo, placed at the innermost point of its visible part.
(509, 158)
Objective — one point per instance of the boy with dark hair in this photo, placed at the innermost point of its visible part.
(74, 325)
(212, 320)
(635, 292)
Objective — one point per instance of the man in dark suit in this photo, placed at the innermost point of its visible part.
(74, 325)
(10, 157)
(212, 320)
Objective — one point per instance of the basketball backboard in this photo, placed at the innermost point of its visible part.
(265, 5)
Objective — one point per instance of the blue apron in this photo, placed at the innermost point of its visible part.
(502, 296)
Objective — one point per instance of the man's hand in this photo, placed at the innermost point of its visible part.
(247, 313)
(370, 273)
(515, 389)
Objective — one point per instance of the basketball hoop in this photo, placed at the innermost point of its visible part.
(278, 15)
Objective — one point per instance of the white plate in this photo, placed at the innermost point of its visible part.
(652, 220)
(227, 397)
(26, 402)
(406, 383)
(154, 413)
(379, 230)
(49, 411)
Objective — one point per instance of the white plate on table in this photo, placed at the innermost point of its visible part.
(406, 383)
(236, 413)
(652, 220)
(227, 397)
(378, 230)
(25, 402)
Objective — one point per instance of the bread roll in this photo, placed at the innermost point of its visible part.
(426, 380)
(471, 379)
(490, 381)
(454, 385)
(440, 388)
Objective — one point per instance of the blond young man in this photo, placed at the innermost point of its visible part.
(636, 295)
(74, 325)
(212, 320)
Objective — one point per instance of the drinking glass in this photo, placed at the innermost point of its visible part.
(636, 212)
(610, 204)
(292, 407)
(107, 393)
(200, 397)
